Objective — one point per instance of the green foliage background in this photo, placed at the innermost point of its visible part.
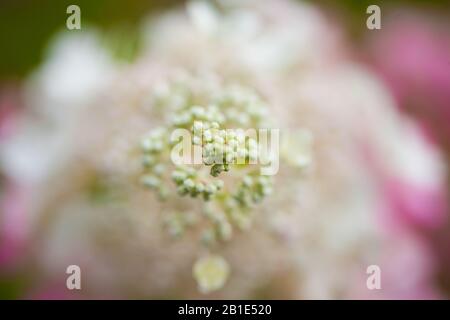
(27, 25)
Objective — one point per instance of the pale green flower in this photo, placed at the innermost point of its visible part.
(211, 273)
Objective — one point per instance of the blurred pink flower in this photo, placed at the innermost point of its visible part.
(414, 195)
(8, 111)
(13, 224)
(415, 205)
(407, 270)
(413, 56)
(409, 267)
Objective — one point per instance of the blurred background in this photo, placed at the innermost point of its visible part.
(411, 54)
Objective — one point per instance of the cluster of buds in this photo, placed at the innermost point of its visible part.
(253, 190)
(222, 148)
(188, 182)
(153, 148)
(227, 199)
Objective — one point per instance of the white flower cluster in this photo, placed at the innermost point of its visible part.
(237, 67)
(222, 149)
(187, 182)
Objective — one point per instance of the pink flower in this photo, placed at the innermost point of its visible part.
(14, 228)
(407, 269)
(415, 205)
(8, 111)
(412, 184)
(413, 56)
